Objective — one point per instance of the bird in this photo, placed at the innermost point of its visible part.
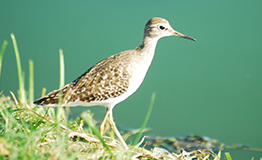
(113, 79)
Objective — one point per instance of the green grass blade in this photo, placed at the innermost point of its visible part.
(2, 54)
(62, 69)
(31, 82)
(228, 156)
(43, 92)
(22, 95)
(60, 110)
(139, 134)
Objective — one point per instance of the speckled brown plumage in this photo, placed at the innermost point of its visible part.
(107, 79)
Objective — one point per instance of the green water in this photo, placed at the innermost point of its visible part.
(211, 87)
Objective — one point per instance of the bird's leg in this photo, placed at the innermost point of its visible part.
(113, 126)
(102, 126)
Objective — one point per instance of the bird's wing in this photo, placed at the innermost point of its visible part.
(107, 79)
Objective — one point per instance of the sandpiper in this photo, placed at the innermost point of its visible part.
(115, 78)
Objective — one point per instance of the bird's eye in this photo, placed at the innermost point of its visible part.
(162, 27)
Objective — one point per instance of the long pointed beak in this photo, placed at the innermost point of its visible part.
(175, 33)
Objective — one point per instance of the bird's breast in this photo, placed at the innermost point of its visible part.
(139, 69)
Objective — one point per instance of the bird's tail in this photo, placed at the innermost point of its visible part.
(52, 98)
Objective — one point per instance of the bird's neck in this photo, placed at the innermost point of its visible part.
(145, 53)
(148, 46)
